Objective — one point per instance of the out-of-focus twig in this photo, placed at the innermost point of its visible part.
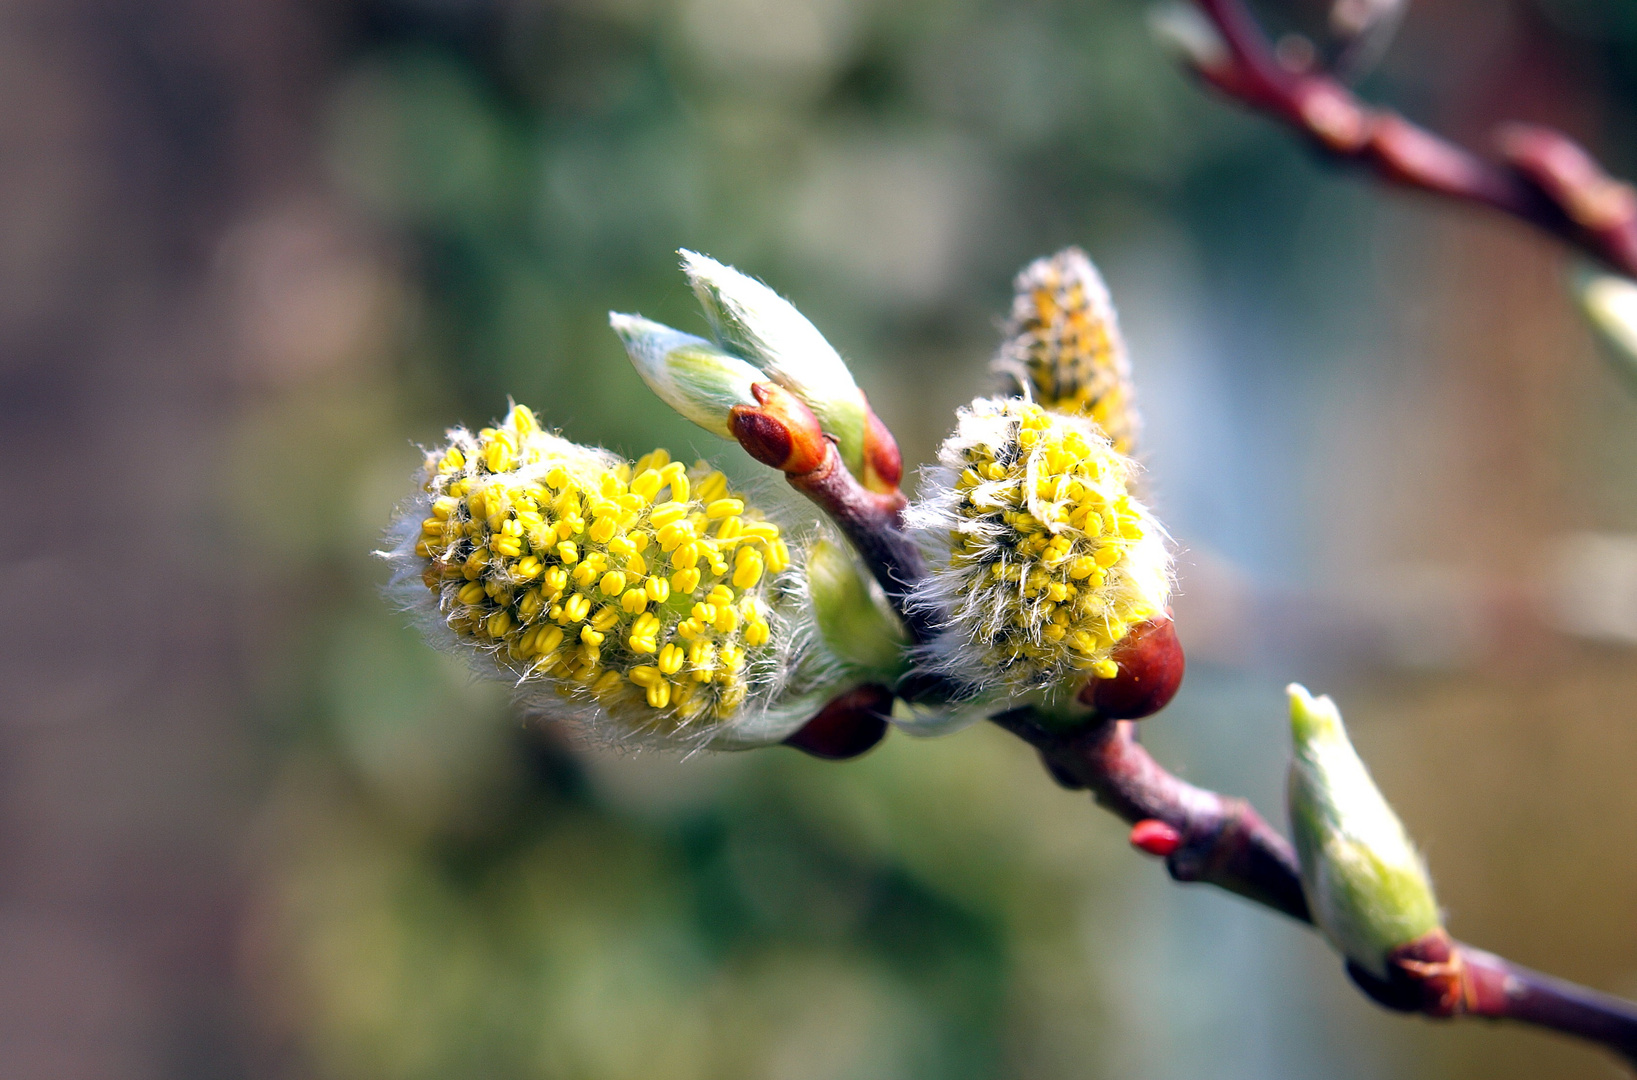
(1543, 177)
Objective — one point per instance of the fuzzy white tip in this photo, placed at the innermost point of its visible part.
(688, 373)
(753, 321)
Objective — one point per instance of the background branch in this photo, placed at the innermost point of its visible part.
(1544, 177)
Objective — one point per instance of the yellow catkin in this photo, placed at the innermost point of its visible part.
(1038, 596)
(1063, 341)
(535, 548)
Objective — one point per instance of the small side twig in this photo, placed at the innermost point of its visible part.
(1545, 178)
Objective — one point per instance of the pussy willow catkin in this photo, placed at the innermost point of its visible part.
(1041, 558)
(643, 596)
(1063, 346)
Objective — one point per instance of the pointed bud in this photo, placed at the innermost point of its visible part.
(753, 321)
(853, 615)
(1366, 886)
(1609, 303)
(689, 374)
(850, 725)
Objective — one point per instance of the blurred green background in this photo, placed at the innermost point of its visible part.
(255, 250)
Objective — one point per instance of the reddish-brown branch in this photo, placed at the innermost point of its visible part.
(1224, 841)
(1545, 178)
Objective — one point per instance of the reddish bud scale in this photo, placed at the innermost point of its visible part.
(1155, 837)
(782, 432)
(850, 725)
(883, 464)
(1151, 664)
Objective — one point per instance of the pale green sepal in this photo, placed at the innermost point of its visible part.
(1609, 302)
(752, 320)
(691, 375)
(1365, 883)
(853, 616)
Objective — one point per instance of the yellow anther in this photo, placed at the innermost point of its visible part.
(529, 606)
(1105, 669)
(645, 676)
(499, 455)
(747, 568)
(556, 579)
(634, 602)
(1107, 556)
(670, 659)
(569, 552)
(712, 486)
(756, 633)
(606, 619)
(612, 583)
(499, 623)
(702, 659)
(603, 529)
(674, 535)
(685, 556)
(585, 573)
(727, 620)
(659, 695)
(590, 637)
(730, 527)
(658, 589)
(606, 683)
(778, 557)
(577, 607)
(721, 508)
(471, 593)
(636, 566)
(647, 485)
(528, 568)
(675, 475)
(509, 546)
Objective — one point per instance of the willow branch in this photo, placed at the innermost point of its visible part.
(1543, 177)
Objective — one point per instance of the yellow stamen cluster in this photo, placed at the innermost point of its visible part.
(1063, 344)
(1050, 559)
(643, 587)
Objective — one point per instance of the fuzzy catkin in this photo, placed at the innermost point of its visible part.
(645, 600)
(1041, 559)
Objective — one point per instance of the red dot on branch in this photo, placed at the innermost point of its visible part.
(1155, 837)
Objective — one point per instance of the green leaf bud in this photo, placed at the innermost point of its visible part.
(691, 375)
(1366, 885)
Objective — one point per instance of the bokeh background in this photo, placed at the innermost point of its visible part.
(252, 251)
